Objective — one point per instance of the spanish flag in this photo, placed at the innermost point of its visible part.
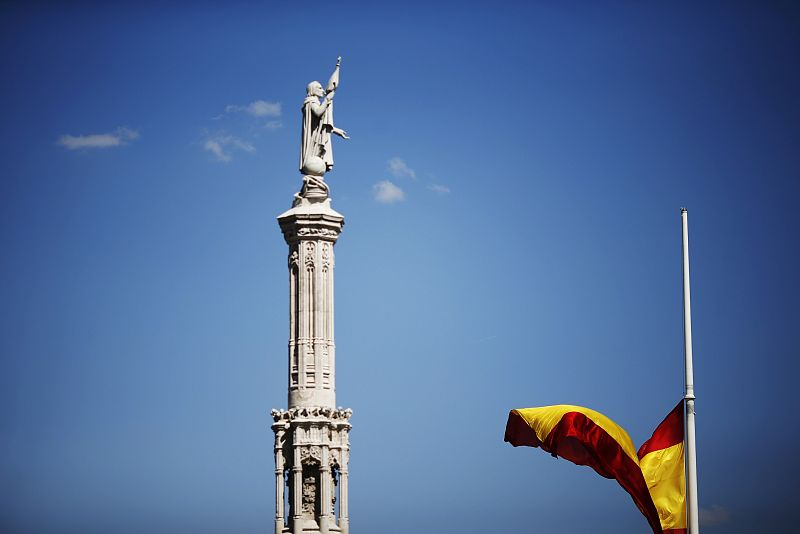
(661, 460)
(653, 477)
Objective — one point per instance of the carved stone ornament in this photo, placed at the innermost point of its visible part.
(310, 248)
(311, 454)
(314, 412)
(309, 494)
(280, 438)
(294, 259)
(326, 254)
(317, 232)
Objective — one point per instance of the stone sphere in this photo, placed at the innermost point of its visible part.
(314, 166)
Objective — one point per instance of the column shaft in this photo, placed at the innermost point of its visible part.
(325, 492)
(344, 514)
(279, 484)
(297, 490)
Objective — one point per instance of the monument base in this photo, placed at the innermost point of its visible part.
(312, 452)
(314, 191)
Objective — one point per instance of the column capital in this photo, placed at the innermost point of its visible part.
(314, 221)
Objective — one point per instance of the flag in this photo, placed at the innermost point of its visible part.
(653, 477)
(585, 437)
(662, 463)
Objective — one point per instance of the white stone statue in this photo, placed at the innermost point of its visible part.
(316, 151)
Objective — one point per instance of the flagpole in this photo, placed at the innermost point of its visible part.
(691, 447)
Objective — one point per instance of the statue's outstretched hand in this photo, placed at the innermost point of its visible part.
(341, 133)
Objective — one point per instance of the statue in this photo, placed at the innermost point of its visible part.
(316, 150)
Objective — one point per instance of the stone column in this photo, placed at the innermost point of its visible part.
(279, 482)
(297, 488)
(344, 514)
(325, 492)
(311, 230)
(344, 511)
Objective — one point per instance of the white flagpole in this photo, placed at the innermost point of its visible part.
(691, 447)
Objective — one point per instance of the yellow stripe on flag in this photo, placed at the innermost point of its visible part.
(663, 471)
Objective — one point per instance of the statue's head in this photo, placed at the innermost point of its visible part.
(315, 89)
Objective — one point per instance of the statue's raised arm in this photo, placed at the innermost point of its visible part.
(316, 150)
(333, 82)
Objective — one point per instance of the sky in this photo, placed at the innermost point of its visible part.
(512, 192)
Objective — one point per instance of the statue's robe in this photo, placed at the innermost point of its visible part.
(316, 134)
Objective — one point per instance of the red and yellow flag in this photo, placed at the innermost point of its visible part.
(587, 437)
(661, 460)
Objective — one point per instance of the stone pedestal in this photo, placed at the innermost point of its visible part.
(312, 447)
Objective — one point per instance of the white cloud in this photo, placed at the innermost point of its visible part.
(262, 108)
(217, 145)
(238, 143)
(716, 515)
(441, 189)
(399, 169)
(386, 192)
(257, 108)
(120, 137)
(273, 125)
(216, 148)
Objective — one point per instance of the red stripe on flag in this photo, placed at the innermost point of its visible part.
(578, 439)
(667, 434)
(519, 433)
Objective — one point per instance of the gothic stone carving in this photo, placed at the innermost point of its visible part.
(317, 232)
(340, 415)
(310, 247)
(311, 454)
(309, 495)
(326, 254)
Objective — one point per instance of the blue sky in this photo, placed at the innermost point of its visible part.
(511, 192)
